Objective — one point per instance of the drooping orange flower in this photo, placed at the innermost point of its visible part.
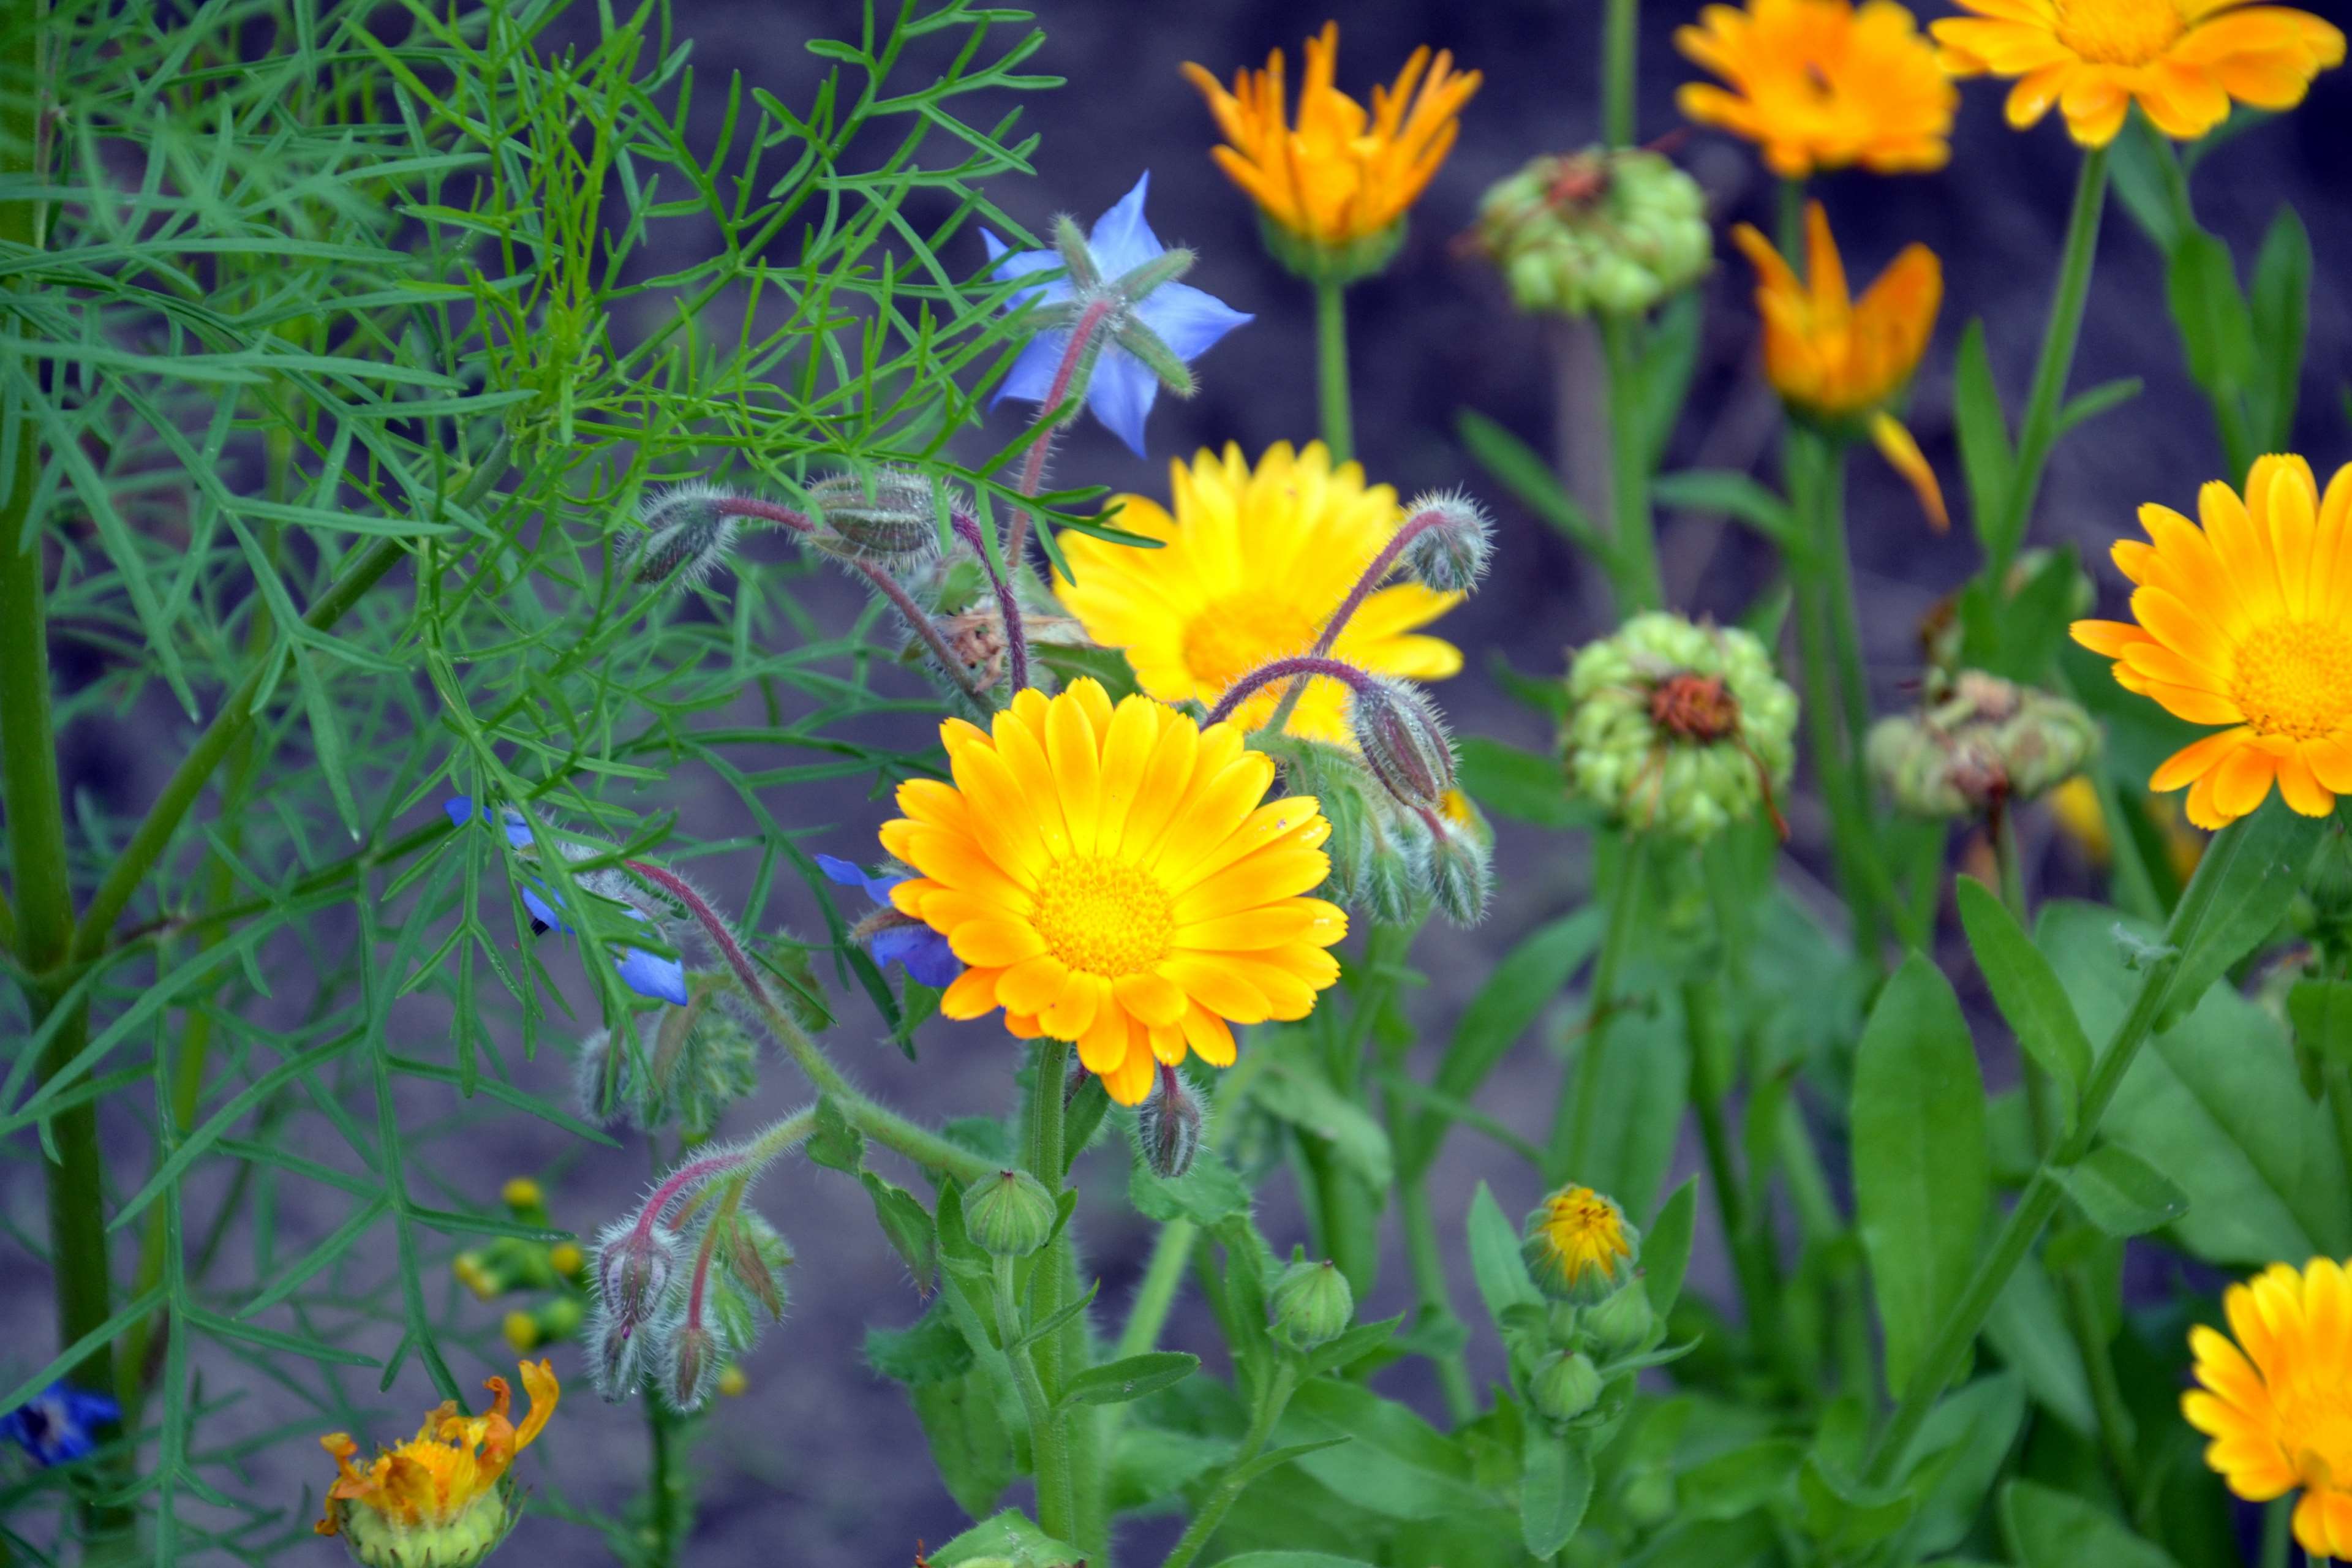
(2246, 622)
(1110, 877)
(2182, 61)
(1340, 175)
(2275, 1402)
(1840, 359)
(1818, 84)
(434, 1497)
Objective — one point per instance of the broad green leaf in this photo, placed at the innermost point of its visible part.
(2249, 873)
(1644, 1085)
(2320, 1011)
(1667, 1247)
(1920, 1168)
(1291, 1559)
(2217, 330)
(908, 1227)
(1960, 1451)
(1207, 1194)
(2051, 1529)
(1555, 1488)
(1397, 1465)
(2028, 1327)
(2122, 1194)
(970, 1443)
(1844, 1515)
(1292, 1090)
(1737, 1481)
(1117, 1382)
(1353, 1346)
(2028, 994)
(2282, 316)
(2146, 175)
(929, 1350)
(1523, 786)
(1495, 1261)
(1009, 1535)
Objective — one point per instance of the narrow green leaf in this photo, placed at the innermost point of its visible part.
(1666, 1249)
(1526, 476)
(1735, 496)
(2217, 330)
(1555, 1488)
(1985, 458)
(1117, 1382)
(2122, 1194)
(2102, 398)
(2281, 318)
(2027, 991)
(1495, 1259)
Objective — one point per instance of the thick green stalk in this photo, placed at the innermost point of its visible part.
(2039, 429)
(1331, 368)
(1632, 529)
(1061, 1355)
(1574, 1123)
(2041, 1198)
(1620, 55)
(1048, 1441)
(1846, 626)
(669, 1488)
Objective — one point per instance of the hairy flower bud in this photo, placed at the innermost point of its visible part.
(1168, 1128)
(1615, 231)
(1403, 740)
(1450, 552)
(682, 535)
(755, 1259)
(616, 1353)
(1459, 878)
(634, 1264)
(1009, 1213)
(695, 1353)
(1566, 1385)
(892, 520)
(1312, 1304)
(1988, 741)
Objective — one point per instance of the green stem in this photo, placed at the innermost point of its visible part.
(2037, 431)
(1752, 1263)
(669, 1492)
(2118, 1432)
(1056, 1506)
(1272, 1401)
(1434, 1297)
(1059, 1356)
(1845, 627)
(1792, 231)
(2278, 1532)
(1331, 367)
(1632, 528)
(2041, 1198)
(1570, 1152)
(1621, 43)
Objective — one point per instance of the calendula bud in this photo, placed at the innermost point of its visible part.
(1451, 544)
(695, 1353)
(682, 536)
(1620, 1325)
(1578, 1246)
(892, 520)
(1168, 1128)
(1990, 740)
(1566, 1385)
(634, 1266)
(1615, 231)
(1403, 740)
(1009, 1213)
(1312, 1305)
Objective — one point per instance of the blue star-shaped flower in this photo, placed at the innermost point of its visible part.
(923, 951)
(54, 1425)
(646, 973)
(1182, 318)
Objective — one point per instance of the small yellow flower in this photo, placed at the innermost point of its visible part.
(1817, 84)
(1253, 564)
(1578, 1246)
(435, 1498)
(1840, 359)
(2182, 61)
(2245, 621)
(1341, 176)
(1110, 877)
(2275, 1402)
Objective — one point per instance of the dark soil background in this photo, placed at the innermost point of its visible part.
(821, 1462)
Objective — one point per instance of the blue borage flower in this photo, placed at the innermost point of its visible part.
(54, 1425)
(923, 951)
(1187, 320)
(646, 973)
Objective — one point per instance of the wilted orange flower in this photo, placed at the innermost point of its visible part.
(434, 1497)
(1341, 176)
(1842, 359)
(2246, 622)
(1817, 84)
(2181, 60)
(2275, 1401)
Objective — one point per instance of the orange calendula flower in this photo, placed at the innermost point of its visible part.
(1110, 877)
(437, 1498)
(1840, 359)
(2247, 622)
(2182, 61)
(1818, 84)
(1341, 175)
(2274, 1401)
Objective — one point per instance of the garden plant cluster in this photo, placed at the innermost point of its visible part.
(352, 444)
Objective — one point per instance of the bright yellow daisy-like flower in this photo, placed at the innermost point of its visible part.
(1841, 359)
(1818, 84)
(2182, 61)
(2275, 1402)
(1253, 565)
(2245, 621)
(1111, 877)
(1340, 175)
(435, 1498)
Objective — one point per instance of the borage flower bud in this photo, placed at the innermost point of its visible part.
(1009, 1213)
(1459, 877)
(1312, 1305)
(1614, 231)
(1403, 740)
(682, 536)
(756, 1258)
(890, 517)
(696, 1354)
(1452, 541)
(1168, 1128)
(635, 1264)
(1566, 1385)
(617, 1354)
(1578, 1246)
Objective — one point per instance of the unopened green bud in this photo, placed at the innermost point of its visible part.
(696, 1354)
(1398, 870)
(756, 1258)
(1450, 542)
(1459, 881)
(1988, 742)
(681, 536)
(1168, 1128)
(1312, 1305)
(1565, 1386)
(1615, 231)
(891, 518)
(1009, 1213)
(1403, 740)
(1622, 1324)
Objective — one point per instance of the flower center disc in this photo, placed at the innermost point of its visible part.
(2294, 679)
(1104, 917)
(1235, 634)
(2119, 32)
(1695, 707)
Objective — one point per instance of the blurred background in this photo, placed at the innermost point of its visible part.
(820, 1462)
